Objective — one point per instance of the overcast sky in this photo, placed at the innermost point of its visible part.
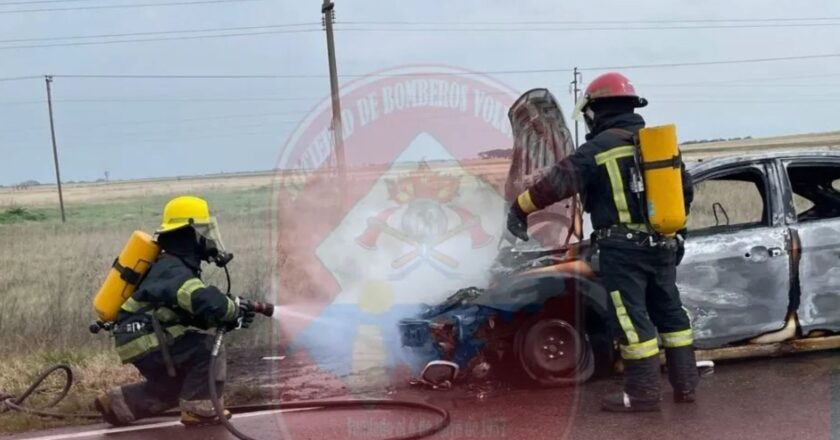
(156, 127)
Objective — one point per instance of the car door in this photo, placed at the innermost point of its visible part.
(734, 278)
(815, 206)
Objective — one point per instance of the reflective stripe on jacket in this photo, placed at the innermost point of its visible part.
(600, 170)
(172, 293)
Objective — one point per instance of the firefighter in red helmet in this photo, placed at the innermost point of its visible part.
(637, 265)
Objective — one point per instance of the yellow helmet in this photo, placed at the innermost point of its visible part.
(184, 211)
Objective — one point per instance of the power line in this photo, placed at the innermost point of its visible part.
(174, 140)
(155, 100)
(133, 5)
(588, 22)
(29, 2)
(736, 81)
(719, 62)
(164, 76)
(146, 33)
(589, 28)
(144, 40)
(272, 29)
(487, 72)
(737, 86)
(165, 121)
(749, 101)
(21, 78)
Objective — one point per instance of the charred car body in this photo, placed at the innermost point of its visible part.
(759, 276)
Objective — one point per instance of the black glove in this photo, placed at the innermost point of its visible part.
(680, 246)
(517, 221)
(244, 314)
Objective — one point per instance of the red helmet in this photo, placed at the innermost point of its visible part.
(608, 85)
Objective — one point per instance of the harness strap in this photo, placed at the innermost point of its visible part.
(674, 162)
(164, 346)
(127, 274)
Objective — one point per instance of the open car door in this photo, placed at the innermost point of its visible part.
(540, 139)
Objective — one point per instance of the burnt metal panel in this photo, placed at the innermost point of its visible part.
(819, 269)
(735, 285)
(818, 304)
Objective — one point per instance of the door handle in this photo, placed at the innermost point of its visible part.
(758, 254)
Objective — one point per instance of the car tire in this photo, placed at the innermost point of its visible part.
(552, 353)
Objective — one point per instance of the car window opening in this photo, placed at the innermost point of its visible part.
(816, 190)
(728, 202)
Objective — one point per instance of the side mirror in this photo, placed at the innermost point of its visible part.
(439, 373)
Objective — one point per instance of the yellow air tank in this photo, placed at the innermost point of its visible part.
(128, 269)
(660, 164)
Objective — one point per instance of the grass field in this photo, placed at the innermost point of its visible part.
(51, 271)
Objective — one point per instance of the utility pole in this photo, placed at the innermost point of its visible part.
(576, 82)
(49, 80)
(327, 9)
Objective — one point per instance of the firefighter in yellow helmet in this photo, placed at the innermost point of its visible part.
(173, 304)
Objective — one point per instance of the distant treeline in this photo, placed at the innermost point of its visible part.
(498, 153)
(507, 153)
(703, 141)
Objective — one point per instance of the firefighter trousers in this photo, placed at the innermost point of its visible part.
(644, 300)
(189, 389)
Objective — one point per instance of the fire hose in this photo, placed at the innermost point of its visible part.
(16, 403)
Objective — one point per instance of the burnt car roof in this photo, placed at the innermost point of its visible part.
(736, 158)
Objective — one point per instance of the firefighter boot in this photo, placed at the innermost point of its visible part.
(105, 407)
(682, 373)
(190, 419)
(641, 387)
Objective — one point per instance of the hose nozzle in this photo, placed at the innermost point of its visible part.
(262, 308)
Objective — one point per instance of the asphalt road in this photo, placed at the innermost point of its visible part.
(786, 398)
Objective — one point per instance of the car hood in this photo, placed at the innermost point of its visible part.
(541, 138)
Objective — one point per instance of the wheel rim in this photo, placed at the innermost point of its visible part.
(555, 349)
(552, 352)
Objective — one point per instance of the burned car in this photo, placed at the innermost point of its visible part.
(759, 276)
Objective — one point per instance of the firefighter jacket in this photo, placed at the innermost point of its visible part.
(600, 171)
(172, 298)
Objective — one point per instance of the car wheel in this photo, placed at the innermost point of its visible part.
(552, 352)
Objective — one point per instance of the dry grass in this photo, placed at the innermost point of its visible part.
(94, 371)
(741, 201)
(50, 272)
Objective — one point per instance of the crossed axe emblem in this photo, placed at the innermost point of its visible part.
(422, 249)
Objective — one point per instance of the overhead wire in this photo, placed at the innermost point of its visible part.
(485, 72)
(122, 6)
(165, 32)
(587, 22)
(28, 2)
(119, 38)
(151, 39)
(167, 121)
(584, 28)
(21, 78)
